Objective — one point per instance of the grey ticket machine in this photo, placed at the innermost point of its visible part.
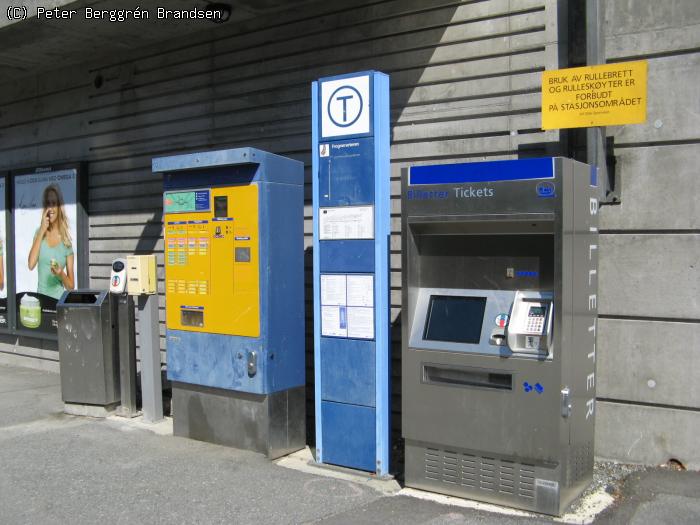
(499, 323)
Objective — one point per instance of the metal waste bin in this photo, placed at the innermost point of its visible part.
(89, 358)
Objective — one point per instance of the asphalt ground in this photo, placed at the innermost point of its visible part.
(56, 468)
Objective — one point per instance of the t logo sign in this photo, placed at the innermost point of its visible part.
(345, 105)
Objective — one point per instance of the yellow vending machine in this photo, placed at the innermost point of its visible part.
(234, 289)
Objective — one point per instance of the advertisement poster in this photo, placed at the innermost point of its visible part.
(3, 257)
(45, 246)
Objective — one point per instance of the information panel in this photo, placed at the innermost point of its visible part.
(346, 222)
(186, 201)
(347, 306)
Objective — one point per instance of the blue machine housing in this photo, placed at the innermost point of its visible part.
(219, 361)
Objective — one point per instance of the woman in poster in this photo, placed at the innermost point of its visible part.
(52, 247)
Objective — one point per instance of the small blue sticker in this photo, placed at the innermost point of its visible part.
(539, 388)
(546, 189)
(526, 273)
(501, 320)
(343, 318)
(527, 387)
(594, 176)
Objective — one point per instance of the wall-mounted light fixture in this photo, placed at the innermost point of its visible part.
(222, 10)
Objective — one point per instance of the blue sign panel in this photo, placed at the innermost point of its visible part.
(351, 269)
(201, 200)
(539, 168)
(338, 182)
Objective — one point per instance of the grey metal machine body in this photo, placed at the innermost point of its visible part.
(499, 320)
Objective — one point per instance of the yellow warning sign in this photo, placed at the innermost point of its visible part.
(606, 95)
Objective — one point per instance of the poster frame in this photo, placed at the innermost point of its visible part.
(81, 229)
(8, 254)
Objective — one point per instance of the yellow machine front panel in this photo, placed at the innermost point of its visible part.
(212, 263)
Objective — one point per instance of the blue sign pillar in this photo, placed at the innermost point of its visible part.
(351, 193)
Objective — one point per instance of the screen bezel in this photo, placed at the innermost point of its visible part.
(430, 319)
(497, 302)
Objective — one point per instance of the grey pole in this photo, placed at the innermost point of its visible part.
(151, 389)
(127, 355)
(595, 54)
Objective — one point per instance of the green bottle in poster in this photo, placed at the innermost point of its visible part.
(30, 311)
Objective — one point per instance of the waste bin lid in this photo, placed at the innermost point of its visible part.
(85, 297)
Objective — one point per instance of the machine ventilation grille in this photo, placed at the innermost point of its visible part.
(581, 461)
(480, 472)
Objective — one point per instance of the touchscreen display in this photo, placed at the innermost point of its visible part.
(454, 319)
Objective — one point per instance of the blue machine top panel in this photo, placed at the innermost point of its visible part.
(493, 171)
(250, 165)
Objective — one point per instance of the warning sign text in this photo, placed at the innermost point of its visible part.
(606, 95)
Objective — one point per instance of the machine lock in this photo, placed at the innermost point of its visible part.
(252, 363)
(565, 402)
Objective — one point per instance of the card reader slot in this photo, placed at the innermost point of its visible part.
(466, 377)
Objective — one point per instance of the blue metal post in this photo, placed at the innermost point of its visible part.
(317, 278)
(351, 226)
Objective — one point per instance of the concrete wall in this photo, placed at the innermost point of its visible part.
(649, 336)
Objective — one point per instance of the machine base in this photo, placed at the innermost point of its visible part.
(272, 424)
(490, 478)
(77, 409)
(123, 411)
